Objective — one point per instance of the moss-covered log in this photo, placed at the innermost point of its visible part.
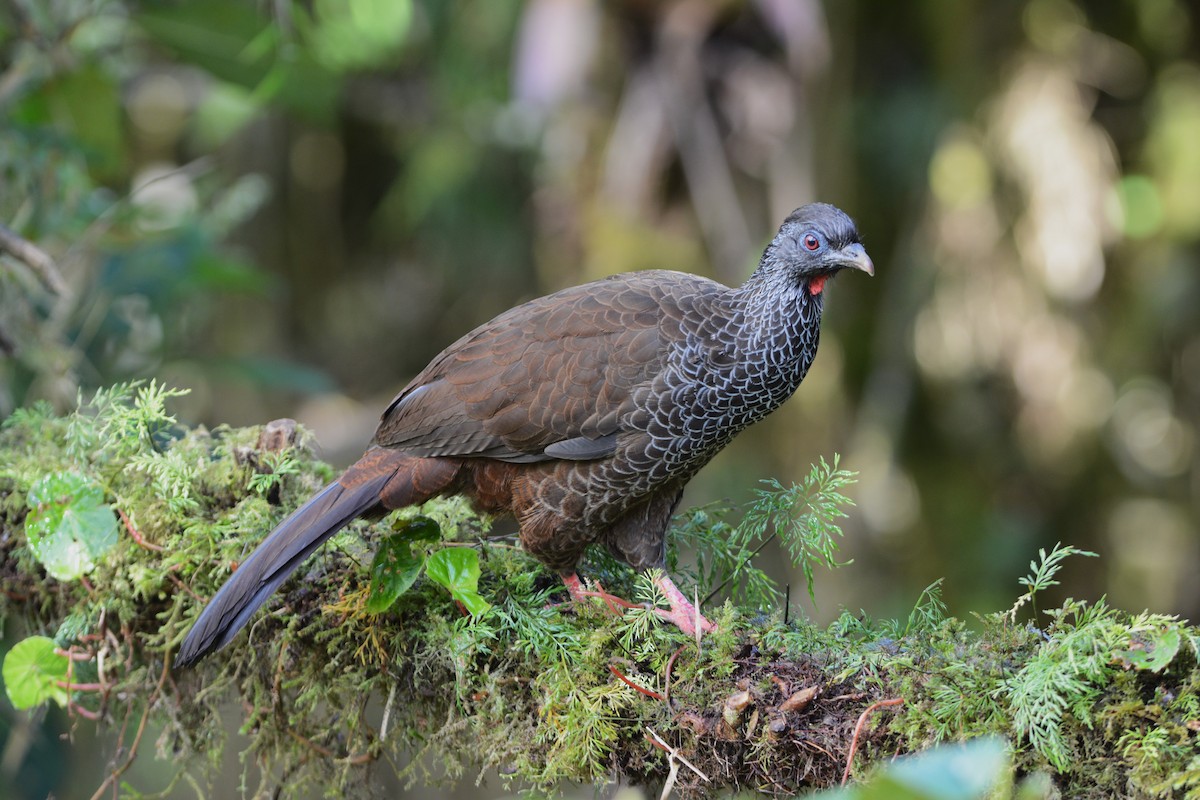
(544, 692)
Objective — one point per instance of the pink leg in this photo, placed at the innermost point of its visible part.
(575, 587)
(683, 614)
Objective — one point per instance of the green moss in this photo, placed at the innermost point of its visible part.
(1101, 700)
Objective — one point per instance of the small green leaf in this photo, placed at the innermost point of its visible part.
(1154, 655)
(418, 529)
(69, 525)
(457, 568)
(393, 571)
(31, 673)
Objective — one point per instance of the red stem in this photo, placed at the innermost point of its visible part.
(862, 721)
(137, 536)
(633, 685)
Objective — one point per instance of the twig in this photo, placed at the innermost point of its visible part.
(73, 654)
(672, 776)
(817, 747)
(136, 534)
(137, 738)
(100, 224)
(88, 714)
(634, 686)
(679, 80)
(358, 758)
(183, 585)
(387, 712)
(80, 687)
(658, 742)
(862, 721)
(667, 673)
(33, 257)
(277, 683)
(100, 662)
(69, 684)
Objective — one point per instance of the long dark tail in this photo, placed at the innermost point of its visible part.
(381, 480)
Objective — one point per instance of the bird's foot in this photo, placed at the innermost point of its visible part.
(682, 613)
(686, 619)
(579, 594)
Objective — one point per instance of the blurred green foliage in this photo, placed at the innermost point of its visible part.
(290, 207)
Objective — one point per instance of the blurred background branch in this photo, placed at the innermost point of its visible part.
(33, 257)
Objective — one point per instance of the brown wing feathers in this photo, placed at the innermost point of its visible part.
(556, 369)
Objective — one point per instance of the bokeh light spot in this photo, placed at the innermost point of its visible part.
(158, 108)
(959, 174)
(1148, 434)
(1140, 210)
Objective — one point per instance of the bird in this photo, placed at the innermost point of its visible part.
(583, 414)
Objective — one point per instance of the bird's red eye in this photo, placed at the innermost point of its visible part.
(811, 242)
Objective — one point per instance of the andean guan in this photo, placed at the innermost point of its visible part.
(583, 414)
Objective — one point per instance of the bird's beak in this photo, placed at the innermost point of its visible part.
(854, 256)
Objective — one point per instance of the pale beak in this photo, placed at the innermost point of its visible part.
(854, 256)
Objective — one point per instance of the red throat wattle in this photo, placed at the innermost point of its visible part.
(817, 285)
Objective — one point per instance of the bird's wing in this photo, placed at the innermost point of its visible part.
(550, 379)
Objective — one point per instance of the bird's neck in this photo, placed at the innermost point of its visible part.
(779, 310)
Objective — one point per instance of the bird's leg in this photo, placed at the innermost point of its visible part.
(575, 587)
(682, 613)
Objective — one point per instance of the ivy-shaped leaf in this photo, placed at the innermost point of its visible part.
(69, 525)
(32, 671)
(395, 567)
(457, 568)
(417, 529)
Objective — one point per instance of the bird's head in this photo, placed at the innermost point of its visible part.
(814, 242)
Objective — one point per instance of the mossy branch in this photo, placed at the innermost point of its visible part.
(1102, 701)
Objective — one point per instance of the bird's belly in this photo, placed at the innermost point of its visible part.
(678, 424)
(582, 495)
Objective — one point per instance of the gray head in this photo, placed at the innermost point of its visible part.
(814, 242)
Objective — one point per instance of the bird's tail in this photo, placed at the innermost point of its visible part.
(381, 480)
